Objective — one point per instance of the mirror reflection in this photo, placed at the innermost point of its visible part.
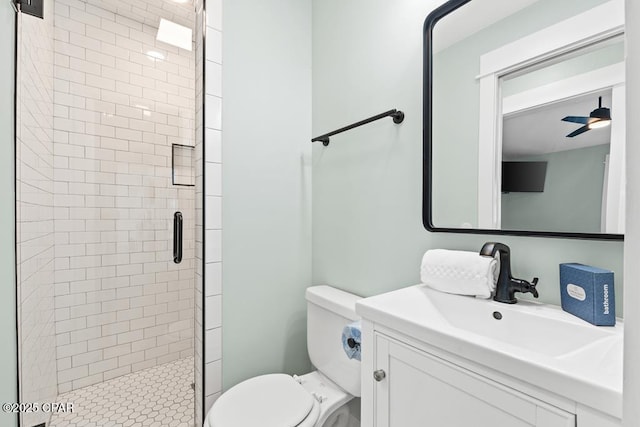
(528, 117)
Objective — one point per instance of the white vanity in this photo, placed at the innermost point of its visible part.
(434, 359)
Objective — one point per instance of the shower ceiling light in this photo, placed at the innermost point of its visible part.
(175, 34)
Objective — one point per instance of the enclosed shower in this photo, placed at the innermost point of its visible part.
(109, 111)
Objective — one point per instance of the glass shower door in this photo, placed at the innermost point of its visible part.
(105, 126)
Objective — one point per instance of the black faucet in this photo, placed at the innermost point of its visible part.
(507, 285)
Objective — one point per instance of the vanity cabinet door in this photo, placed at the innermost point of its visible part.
(421, 390)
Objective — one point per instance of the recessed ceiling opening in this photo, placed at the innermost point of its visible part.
(174, 34)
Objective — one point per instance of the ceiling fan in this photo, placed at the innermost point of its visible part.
(599, 118)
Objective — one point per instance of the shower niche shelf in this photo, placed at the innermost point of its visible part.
(182, 167)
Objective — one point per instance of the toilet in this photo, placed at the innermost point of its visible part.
(316, 399)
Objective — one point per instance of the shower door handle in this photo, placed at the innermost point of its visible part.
(177, 237)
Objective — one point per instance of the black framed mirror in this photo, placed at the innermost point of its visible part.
(514, 139)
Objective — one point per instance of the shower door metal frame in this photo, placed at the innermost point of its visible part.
(204, 214)
(15, 202)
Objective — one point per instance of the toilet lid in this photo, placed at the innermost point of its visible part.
(275, 400)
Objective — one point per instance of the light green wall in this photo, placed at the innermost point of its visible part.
(266, 186)
(368, 235)
(456, 105)
(572, 196)
(8, 371)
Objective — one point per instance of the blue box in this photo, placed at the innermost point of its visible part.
(587, 292)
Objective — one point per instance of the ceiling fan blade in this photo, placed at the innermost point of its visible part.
(577, 119)
(579, 131)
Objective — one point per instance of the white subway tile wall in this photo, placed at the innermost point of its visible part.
(213, 204)
(35, 213)
(121, 100)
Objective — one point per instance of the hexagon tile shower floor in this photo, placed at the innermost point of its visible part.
(158, 396)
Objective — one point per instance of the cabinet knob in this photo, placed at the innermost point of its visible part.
(379, 375)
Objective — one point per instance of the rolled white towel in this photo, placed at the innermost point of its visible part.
(459, 272)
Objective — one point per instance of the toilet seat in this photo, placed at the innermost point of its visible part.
(275, 400)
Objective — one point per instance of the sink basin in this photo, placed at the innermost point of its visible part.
(536, 343)
(532, 326)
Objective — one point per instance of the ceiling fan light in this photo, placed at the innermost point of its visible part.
(599, 124)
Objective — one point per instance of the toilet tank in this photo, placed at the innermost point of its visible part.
(329, 310)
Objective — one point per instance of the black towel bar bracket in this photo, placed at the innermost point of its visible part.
(398, 117)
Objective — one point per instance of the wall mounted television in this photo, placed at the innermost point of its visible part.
(523, 177)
